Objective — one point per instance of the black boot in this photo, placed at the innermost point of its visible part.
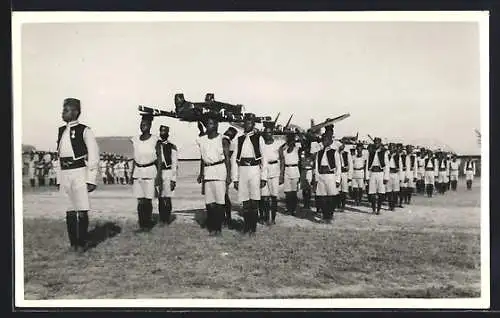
(32, 183)
(83, 228)
(140, 214)
(373, 201)
(430, 190)
(306, 194)
(401, 195)
(294, 202)
(227, 208)
(408, 195)
(380, 200)
(210, 218)
(266, 205)
(71, 225)
(469, 184)
(219, 211)
(261, 211)
(274, 209)
(355, 196)
(254, 215)
(333, 202)
(168, 209)
(246, 216)
(454, 185)
(148, 214)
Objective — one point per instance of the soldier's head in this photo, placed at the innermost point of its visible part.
(71, 109)
(326, 139)
(164, 132)
(359, 149)
(211, 123)
(290, 138)
(268, 130)
(146, 122)
(341, 146)
(409, 149)
(377, 142)
(249, 122)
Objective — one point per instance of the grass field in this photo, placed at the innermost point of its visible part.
(427, 250)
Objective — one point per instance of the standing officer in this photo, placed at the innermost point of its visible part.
(79, 157)
(32, 170)
(145, 172)
(421, 171)
(271, 150)
(167, 164)
(377, 172)
(345, 176)
(102, 169)
(411, 173)
(470, 172)
(443, 172)
(430, 172)
(214, 172)
(227, 139)
(454, 166)
(307, 175)
(395, 175)
(327, 177)
(289, 172)
(358, 174)
(249, 172)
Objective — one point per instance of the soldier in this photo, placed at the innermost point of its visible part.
(307, 175)
(117, 169)
(470, 172)
(443, 172)
(102, 169)
(289, 172)
(327, 177)
(421, 171)
(249, 172)
(395, 175)
(32, 170)
(78, 157)
(353, 154)
(167, 178)
(377, 172)
(214, 171)
(345, 176)
(52, 172)
(227, 139)
(144, 172)
(269, 199)
(454, 166)
(40, 171)
(430, 172)
(126, 166)
(358, 174)
(410, 164)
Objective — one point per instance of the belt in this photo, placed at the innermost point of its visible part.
(293, 165)
(344, 169)
(393, 170)
(442, 169)
(273, 162)
(70, 163)
(325, 170)
(376, 169)
(165, 167)
(213, 164)
(146, 165)
(454, 169)
(469, 169)
(248, 162)
(404, 169)
(429, 169)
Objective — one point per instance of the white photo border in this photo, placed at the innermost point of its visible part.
(480, 17)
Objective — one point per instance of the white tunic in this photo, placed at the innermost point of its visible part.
(271, 152)
(212, 151)
(145, 153)
(291, 158)
(247, 152)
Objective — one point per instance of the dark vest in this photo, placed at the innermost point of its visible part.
(330, 156)
(371, 156)
(255, 143)
(166, 148)
(76, 138)
(469, 165)
(396, 161)
(412, 162)
(403, 160)
(441, 161)
(344, 159)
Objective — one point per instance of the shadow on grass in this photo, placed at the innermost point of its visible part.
(102, 232)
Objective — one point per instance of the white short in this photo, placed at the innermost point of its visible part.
(144, 188)
(393, 184)
(454, 175)
(344, 182)
(166, 176)
(469, 175)
(429, 177)
(410, 184)
(326, 185)
(291, 184)
(31, 174)
(442, 177)
(249, 183)
(73, 185)
(376, 183)
(358, 183)
(272, 187)
(215, 192)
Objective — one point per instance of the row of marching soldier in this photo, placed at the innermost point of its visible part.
(257, 165)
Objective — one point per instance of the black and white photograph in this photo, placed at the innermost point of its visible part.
(265, 160)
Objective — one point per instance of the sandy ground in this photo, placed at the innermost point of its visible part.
(454, 211)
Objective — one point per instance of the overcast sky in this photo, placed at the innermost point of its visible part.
(405, 80)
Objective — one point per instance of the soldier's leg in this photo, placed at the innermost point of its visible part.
(254, 204)
(211, 217)
(274, 208)
(32, 182)
(246, 214)
(264, 205)
(83, 227)
(227, 209)
(71, 226)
